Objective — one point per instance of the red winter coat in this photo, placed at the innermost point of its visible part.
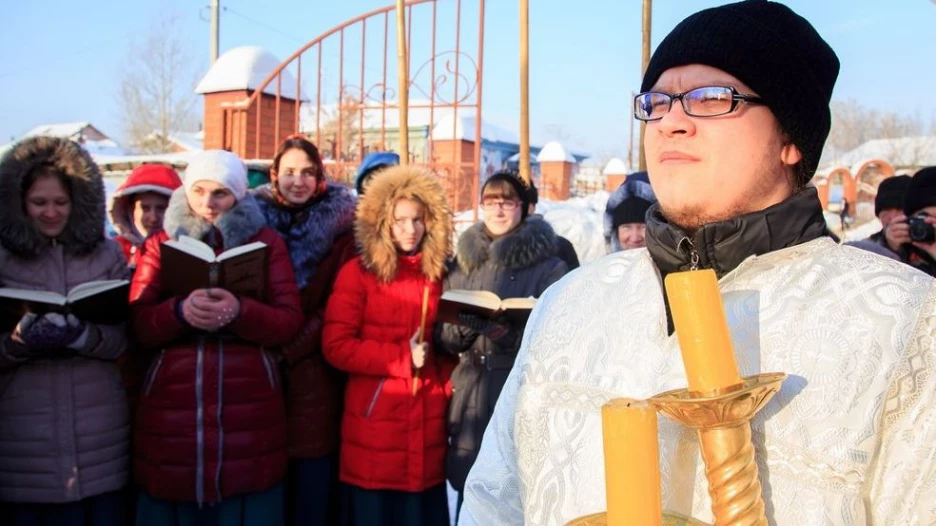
(389, 438)
(211, 421)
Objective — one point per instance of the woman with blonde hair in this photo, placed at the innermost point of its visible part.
(378, 325)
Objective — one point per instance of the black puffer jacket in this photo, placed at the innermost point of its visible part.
(519, 264)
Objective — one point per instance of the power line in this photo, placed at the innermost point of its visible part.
(262, 24)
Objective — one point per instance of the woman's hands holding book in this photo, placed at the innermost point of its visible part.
(210, 309)
(50, 331)
(498, 331)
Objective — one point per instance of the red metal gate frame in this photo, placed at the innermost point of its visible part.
(235, 115)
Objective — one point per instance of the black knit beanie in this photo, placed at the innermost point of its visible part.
(921, 192)
(890, 193)
(514, 180)
(771, 49)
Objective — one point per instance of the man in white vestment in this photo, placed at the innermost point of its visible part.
(736, 101)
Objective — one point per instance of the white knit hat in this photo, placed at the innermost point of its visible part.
(220, 166)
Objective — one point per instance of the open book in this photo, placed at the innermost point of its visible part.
(482, 303)
(188, 264)
(104, 302)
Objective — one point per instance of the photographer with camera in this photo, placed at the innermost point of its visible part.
(912, 234)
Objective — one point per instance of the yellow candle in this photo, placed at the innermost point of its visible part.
(632, 462)
(702, 330)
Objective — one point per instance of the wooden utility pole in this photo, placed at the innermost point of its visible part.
(630, 137)
(525, 90)
(647, 9)
(403, 81)
(215, 8)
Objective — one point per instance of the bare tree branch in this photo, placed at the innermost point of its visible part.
(156, 93)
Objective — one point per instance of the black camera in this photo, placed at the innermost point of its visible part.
(920, 230)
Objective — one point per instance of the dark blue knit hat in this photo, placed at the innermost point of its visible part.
(371, 163)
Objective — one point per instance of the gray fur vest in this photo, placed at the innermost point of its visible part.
(236, 226)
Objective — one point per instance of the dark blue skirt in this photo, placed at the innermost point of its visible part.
(398, 508)
(106, 509)
(256, 509)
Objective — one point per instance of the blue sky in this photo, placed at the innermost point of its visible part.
(61, 59)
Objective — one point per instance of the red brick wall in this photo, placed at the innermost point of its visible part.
(214, 116)
(242, 129)
(556, 180)
(454, 160)
(612, 182)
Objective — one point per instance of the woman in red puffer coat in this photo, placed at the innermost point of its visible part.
(211, 424)
(393, 435)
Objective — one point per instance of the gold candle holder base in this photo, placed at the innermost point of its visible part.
(723, 422)
(669, 519)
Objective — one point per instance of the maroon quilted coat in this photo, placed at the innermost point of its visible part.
(391, 438)
(211, 421)
(320, 240)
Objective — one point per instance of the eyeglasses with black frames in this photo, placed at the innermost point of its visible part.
(707, 101)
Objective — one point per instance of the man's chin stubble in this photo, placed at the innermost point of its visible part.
(693, 217)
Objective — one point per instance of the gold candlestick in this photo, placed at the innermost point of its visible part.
(723, 422)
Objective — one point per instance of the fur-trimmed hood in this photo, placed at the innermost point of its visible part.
(85, 228)
(374, 220)
(237, 226)
(309, 231)
(531, 242)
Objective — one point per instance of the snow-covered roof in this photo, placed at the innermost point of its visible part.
(187, 141)
(65, 130)
(902, 151)
(554, 151)
(375, 115)
(102, 147)
(515, 158)
(111, 162)
(616, 167)
(245, 68)
(76, 131)
(448, 128)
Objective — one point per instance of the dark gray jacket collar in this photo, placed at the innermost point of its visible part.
(531, 242)
(724, 245)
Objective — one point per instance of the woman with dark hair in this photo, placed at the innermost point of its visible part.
(513, 256)
(376, 326)
(210, 438)
(315, 219)
(64, 425)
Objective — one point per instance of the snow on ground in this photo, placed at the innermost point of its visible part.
(580, 220)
